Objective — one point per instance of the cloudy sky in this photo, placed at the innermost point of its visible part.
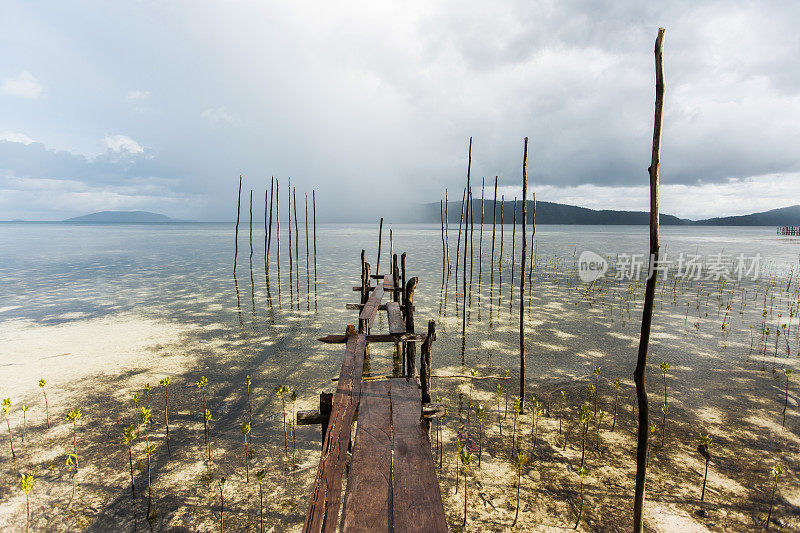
(161, 105)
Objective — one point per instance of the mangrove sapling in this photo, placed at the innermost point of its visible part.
(71, 463)
(480, 414)
(6, 408)
(460, 448)
(561, 416)
(247, 383)
(135, 402)
(617, 385)
(221, 485)
(26, 484)
(201, 386)
(519, 461)
(73, 417)
(144, 416)
(281, 392)
(787, 372)
(703, 449)
(128, 437)
(499, 390)
(596, 377)
(665, 407)
(165, 383)
(585, 415)
(147, 393)
(536, 411)
(25, 409)
(246, 432)
(293, 397)
(260, 477)
(776, 472)
(600, 416)
(206, 420)
(582, 473)
(466, 460)
(42, 383)
(516, 405)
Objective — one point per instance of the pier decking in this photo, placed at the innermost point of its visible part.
(391, 482)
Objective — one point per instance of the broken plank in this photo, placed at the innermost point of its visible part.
(366, 504)
(417, 499)
(371, 307)
(383, 337)
(397, 325)
(323, 508)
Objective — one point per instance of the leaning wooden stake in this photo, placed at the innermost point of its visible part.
(480, 239)
(467, 206)
(522, 276)
(650, 289)
(269, 230)
(296, 246)
(447, 233)
(251, 229)
(308, 277)
(494, 225)
(380, 237)
(278, 235)
(458, 243)
(314, 208)
(236, 238)
(289, 214)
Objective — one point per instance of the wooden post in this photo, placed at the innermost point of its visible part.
(236, 238)
(391, 248)
(466, 192)
(296, 247)
(364, 292)
(271, 199)
(533, 235)
(444, 253)
(447, 232)
(314, 207)
(425, 363)
(278, 234)
(251, 229)
(458, 244)
(380, 236)
(494, 222)
(289, 214)
(325, 408)
(502, 239)
(363, 325)
(396, 278)
(650, 288)
(403, 275)
(522, 275)
(411, 347)
(308, 283)
(471, 244)
(480, 238)
(513, 251)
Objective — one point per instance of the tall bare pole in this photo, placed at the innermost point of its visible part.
(447, 232)
(466, 192)
(513, 251)
(444, 253)
(271, 200)
(251, 229)
(494, 224)
(278, 234)
(236, 238)
(289, 214)
(458, 244)
(380, 237)
(314, 208)
(522, 276)
(296, 247)
(480, 238)
(649, 295)
(308, 277)
(471, 244)
(502, 240)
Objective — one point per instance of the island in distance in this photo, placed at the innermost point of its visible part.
(123, 217)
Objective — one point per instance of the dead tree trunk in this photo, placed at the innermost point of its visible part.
(649, 295)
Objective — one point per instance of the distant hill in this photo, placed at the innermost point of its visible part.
(123, 217)
(555, 213)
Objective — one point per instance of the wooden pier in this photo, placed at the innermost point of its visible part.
(793, 231)
(391, 482)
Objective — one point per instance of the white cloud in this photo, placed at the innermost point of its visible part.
(122, 143)
(24, 85)
(218, 115)
(15, 137)
(138, 95)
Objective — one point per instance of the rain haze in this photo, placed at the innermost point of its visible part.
(161, 106)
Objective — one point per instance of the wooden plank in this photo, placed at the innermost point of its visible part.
(382, 337)
(417, 499)
(323, 508)
(366, 504)
(397, 325)
(371, 307)
(388, 282)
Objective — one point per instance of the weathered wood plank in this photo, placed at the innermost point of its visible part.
(382, 337)
(397, 325)
(323, 508)
(371, 307)
(417, 499)
(366, 504)
(388, 282)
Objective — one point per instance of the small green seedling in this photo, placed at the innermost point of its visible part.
(164, 382)
(585, 416)
(73, 416)
(480, 414)
(281, 392)
(466, 460)
(6, 409)
(42, 383)
(788, 373)
(144, 417)
(519, 461)
(617, 386)
(665, 408)
(499, 391)
(26, 482)
(71, 462)
(201, 386)
(245, 433)
(247, 383)
(704, 449)
(775, 473)
(128, 436)
(582, 473)
(221, 485)
(24, 410)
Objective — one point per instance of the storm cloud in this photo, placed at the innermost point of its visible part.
(160, 106)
